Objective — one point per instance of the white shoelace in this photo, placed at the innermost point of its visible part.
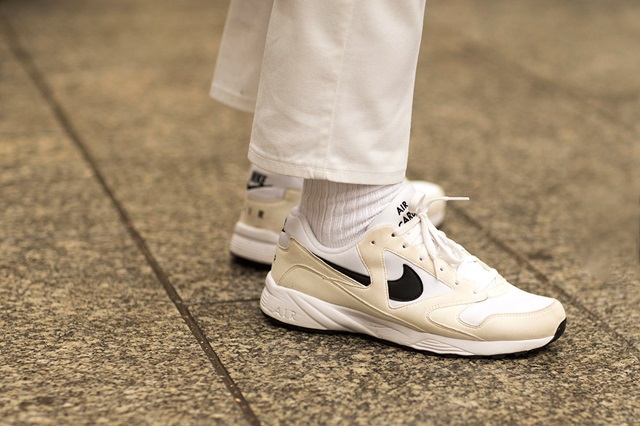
(435, 243)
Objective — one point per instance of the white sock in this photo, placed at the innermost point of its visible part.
(339, 213)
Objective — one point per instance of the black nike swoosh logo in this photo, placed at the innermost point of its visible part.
(405, 289)
(254, 186)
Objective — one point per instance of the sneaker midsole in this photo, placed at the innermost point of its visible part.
(298, 309)
(255, 244)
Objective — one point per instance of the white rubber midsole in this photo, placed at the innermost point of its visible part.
(295, 308)
(257, 245)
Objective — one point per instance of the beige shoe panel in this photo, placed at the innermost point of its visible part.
(517, 326)
(297, 268)
(269, 215)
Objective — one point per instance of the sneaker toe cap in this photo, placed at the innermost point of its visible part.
(512, 315)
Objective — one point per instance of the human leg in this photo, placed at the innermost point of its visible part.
(235, 84)
(237, 73)
(336, 90)
(326, 87)
(320, 117)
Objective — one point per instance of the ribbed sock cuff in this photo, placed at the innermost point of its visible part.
(339, 213)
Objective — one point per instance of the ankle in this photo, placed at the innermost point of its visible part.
(339, 213)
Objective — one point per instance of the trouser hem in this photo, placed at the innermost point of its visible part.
(233, 99)
(313, 172)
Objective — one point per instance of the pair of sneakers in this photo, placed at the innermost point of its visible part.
(404, 281)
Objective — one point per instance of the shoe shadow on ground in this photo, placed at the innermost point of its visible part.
(248, 264)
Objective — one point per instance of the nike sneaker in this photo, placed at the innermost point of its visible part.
(405, 282)
(268, 200)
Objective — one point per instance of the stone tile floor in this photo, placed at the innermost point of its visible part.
(120, 181)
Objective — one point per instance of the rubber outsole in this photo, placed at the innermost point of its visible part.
(253, 244)
(292, 307)
(559, 332)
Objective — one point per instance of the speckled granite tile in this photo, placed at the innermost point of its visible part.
(345, 379)
(37, 156)
(587, 47)
(187, 216)
(202, 189)
(33, 208)
(551, 178)
(550, 164)
(175, 159)
(46, 189)
(90, 337)
(201, 274)
(161, 106)
(38, 267)
(538, 163)
(19, 114)
(88, 30)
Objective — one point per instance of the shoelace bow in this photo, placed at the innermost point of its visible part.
(435, 243)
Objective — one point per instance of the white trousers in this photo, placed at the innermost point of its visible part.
(331, 80)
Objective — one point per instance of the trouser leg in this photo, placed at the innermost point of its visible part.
(336, 89)
(237, 73)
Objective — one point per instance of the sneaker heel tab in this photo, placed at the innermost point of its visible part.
(289, 227)
(283, 240)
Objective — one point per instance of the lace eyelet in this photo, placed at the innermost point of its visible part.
(373, 242)
(404, 246)
(393, 235)
(441, 269)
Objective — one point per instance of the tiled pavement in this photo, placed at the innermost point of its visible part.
(120, 181)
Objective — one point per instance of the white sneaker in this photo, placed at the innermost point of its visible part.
(268, 200)
(408, 284)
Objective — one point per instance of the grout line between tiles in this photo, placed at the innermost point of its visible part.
(26, 61)
(492, 59)
(524, 262)
(221, 302)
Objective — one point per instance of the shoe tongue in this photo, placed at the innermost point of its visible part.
(397, 212)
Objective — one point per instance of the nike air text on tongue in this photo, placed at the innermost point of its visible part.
(405, 214)
(405, 207)
(397, 212)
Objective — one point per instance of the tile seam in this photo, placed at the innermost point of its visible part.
(220, 302)
(28, 64)
(493, 58)
(520, 72)
(569, 298)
